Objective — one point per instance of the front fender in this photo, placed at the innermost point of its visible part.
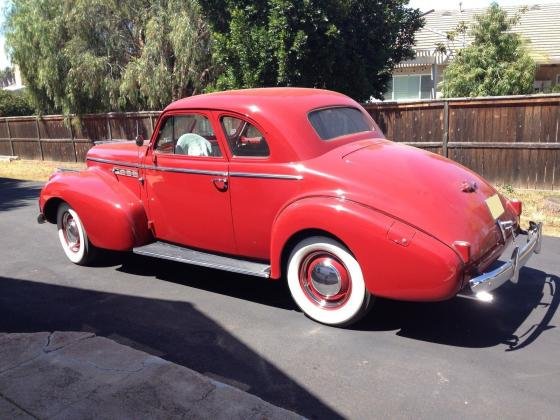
(113, 216)
(423, 268)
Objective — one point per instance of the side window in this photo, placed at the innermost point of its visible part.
(244, 139)
(189, 134)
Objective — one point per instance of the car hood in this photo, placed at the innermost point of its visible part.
(430, 192)
(126, 152)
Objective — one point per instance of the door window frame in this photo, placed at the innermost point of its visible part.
(230, 155)
(209, 115)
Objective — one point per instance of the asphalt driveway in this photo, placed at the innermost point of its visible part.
(459, 358)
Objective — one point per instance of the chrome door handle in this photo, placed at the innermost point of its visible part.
(220, 183)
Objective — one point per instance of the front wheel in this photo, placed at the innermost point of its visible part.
(73, 236)
(326, 282)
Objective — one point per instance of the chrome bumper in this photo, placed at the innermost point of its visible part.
(482, 285)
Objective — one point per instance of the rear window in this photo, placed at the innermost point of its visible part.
(339, 121)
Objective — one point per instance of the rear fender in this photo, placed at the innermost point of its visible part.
(112, 215)
(422, 269)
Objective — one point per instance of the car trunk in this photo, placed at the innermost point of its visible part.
(429, 192)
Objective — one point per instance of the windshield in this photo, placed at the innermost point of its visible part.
(339, 121)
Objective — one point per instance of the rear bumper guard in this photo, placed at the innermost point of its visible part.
(483, 284)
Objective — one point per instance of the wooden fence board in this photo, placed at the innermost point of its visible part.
(5, 148)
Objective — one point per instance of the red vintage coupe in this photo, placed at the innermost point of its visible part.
(295, 184)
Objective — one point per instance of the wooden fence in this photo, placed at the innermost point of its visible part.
(509, 140)
(68, 139)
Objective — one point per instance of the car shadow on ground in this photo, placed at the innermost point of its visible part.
(519, 314)
(17, 193)
(175, 331)
(457, 322)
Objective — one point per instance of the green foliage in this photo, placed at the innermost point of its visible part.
(509, 189)
(105, 55)
(14, 103)
(555, 89)
(349, 46)
(175, 60)
(496, 63)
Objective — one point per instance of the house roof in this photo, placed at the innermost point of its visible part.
(538, 25)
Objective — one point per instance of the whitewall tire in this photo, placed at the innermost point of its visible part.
(73, 236)
(326, 282)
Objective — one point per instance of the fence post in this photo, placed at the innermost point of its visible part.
(445, 127)
(39, 136)
(9, 136)
(72, 139)
(109, 127)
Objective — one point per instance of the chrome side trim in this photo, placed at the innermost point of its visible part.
(114, 162)
(198, 171)
(158, 168)
(111, 141)
(185, 171)
(487, 282)
(264, 175)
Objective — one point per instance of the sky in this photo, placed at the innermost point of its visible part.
(3, 59)
(423, 5)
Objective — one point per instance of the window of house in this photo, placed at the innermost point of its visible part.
(244, 138)
(410, 86)
(189, 134)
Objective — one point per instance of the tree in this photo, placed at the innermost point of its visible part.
(105, 55)
(346, 45)
(495, 63)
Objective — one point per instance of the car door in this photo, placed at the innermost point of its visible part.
(260, 183)
(186, 181)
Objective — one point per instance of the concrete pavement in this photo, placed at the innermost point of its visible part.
(71, 375)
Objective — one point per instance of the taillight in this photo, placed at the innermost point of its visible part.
(464, 250)
(517, 207)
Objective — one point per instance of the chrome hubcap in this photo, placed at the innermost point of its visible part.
(71, 232)
(325, 280)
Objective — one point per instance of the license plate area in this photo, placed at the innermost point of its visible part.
(495, 206)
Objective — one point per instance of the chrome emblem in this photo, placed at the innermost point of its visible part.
(125, 172)
(469, 186)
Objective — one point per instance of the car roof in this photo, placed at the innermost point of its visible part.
(282, 110)
(245, 101)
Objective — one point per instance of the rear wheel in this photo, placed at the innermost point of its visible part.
(73, 236)
(326, 282)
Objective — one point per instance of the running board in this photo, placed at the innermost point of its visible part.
(190, 256)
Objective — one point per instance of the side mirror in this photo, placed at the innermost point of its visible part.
(139, 140)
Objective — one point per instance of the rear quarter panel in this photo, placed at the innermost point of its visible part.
(423, 270)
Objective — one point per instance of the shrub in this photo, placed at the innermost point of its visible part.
(14, 103)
